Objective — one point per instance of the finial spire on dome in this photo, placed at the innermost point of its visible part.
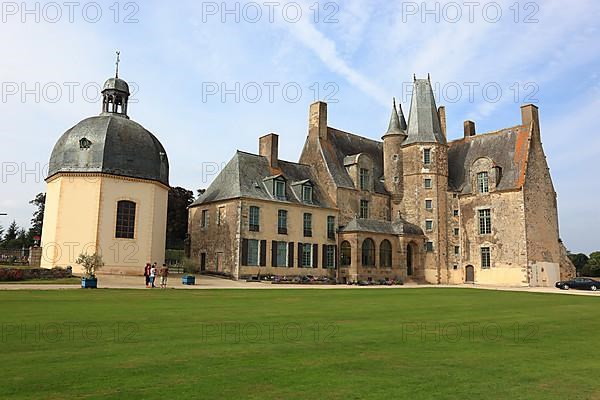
(117, 64)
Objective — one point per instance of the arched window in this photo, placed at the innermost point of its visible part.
(125, 220)
(368, 253)
(385, 254)
(346, 254)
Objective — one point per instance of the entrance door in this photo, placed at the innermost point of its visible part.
(219, 262)
(202, 261)
(470, 274)
(409, 260)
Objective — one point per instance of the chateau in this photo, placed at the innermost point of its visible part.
(412, 206)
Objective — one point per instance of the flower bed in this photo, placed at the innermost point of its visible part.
(24, 274)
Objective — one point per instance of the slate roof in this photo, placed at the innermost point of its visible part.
(423, 119)
(343, 144)
(117, 146)
(374, 226)
(507, 148)
(249, 175)
(396, 126)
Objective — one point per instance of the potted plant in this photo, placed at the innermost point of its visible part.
(90, 264)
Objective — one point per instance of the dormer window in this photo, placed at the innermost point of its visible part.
(364, 179)
(483, 182)
(279, 189)
(307, 193)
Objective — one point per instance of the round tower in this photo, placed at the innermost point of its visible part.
(392, 159)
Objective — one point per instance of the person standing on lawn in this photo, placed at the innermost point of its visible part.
(152, 275)
(164, 275)
(147, 274)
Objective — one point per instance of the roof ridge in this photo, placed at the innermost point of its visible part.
(280, 160)
(356, 135)
(496, 132)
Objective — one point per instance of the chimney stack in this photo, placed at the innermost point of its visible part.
(317, 120)
(268, 146)
(469, 128)
(529, 114)
(442, 114)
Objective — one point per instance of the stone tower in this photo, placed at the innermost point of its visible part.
(425, 168)
(392, 160)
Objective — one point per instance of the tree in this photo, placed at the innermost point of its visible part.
(12, 232)
(177, 216)
(90, 264)
(38, 216)
(592, 268)
(579, 260)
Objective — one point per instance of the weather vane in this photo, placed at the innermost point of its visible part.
(117, 63)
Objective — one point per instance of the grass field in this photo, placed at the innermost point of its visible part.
(299, 344)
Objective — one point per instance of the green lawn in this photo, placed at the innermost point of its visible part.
(313, 344)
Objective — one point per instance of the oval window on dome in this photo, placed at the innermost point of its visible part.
(84, 143)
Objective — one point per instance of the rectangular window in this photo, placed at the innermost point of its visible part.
(426, 156)
(429, 247)
(456, 231)
(204, 219)
(254, 219)
(253, 255)
(364, 179)
(282, 254)
(429, 225)
(125, 226)
(486, 258)
(429, 204)
(364, 209)
(455, 213)
(220, 215)
(330, 227)
(329, 256)
(427, 183)
(307, 255)
(456, 250)
(483, 183)
(280, 189)
(282, 222)
(485, 222)
(307, 194)
(307, 225)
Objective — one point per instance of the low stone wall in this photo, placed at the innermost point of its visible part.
(24, 274)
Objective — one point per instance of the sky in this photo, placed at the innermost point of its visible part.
(211, 77)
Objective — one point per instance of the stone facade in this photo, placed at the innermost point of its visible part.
(413, 206)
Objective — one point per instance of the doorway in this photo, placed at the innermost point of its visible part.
(469, 274)
(409, 260)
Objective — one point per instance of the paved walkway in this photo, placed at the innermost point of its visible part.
(211, 282)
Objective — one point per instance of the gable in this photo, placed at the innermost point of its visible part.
(506, 149)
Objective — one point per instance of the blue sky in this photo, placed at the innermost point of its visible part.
(486, 60)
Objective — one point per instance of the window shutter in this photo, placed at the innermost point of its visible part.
(244, 251)
(315, 256)
(263, 253)
(300, 255)
(290, 255)
(274, 253)
(335, 256)
(324, 257)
